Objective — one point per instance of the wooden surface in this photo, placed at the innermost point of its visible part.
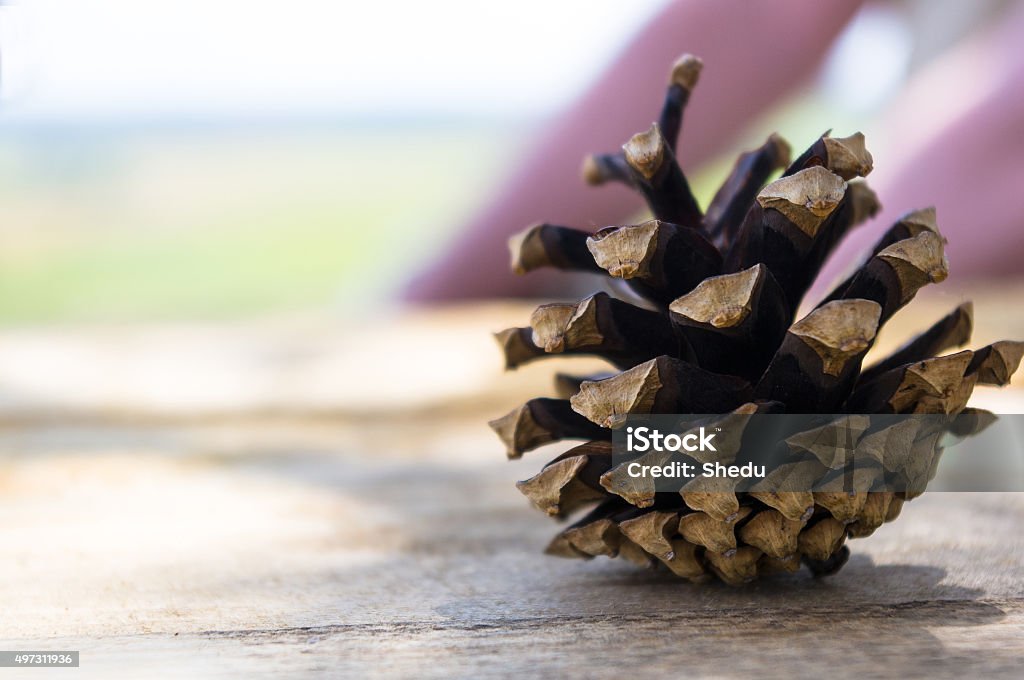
(273, 497)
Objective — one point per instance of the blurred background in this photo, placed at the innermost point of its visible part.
(205, 160)
(217, 159)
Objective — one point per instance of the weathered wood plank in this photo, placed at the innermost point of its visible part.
(302, 533)
(235, 557)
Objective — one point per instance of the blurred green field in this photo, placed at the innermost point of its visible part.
(109, 225)
(158, 222)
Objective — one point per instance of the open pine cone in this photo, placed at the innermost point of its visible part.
(716, 334)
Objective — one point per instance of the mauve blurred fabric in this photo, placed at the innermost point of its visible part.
(961, 118)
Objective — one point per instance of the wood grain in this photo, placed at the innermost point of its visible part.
(305, 535)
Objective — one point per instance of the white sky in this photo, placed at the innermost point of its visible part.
(121, 58)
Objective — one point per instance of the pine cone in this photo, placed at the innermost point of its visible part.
(716, 333)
